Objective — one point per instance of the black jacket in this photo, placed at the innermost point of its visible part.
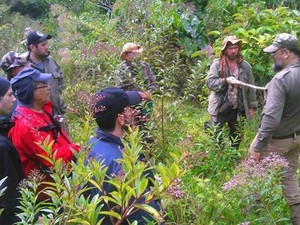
(10, 167)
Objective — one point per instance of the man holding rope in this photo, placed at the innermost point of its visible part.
(229, 99)
(279, 129)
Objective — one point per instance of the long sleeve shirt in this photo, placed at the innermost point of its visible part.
(11, 169)
(281, 113)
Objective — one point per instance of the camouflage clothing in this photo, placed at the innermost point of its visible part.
(135, 76)
(12, 59)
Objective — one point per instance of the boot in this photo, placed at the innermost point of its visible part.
(295, 213)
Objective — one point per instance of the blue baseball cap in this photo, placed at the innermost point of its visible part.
(23, 84)
(111, 101)
(33, 74)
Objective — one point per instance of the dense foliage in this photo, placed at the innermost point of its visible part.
(180, 40)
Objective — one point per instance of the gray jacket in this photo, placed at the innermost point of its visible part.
(218, 87)
(281, 113)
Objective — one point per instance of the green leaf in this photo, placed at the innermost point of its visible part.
(111, 213)
(214, 33)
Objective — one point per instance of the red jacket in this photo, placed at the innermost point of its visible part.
(28, 131)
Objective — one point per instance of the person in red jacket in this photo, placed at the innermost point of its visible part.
(34, 123)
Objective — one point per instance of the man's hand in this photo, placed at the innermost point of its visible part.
(251, 113)
(144, 96)
(256, 156)
(232, 80)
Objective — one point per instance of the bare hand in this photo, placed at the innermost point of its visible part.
(144, 96)
(251, 113)
(256, 156)
(232, 80)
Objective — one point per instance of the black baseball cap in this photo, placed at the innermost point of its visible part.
(36, 37)
(111, 101)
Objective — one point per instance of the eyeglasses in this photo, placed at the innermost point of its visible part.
(40, 87)
(274, 53)
(279, 50)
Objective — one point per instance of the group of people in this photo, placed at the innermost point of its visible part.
(31, 113)
(279, 130)
(32, 109)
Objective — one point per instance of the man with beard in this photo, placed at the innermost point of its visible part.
(40, 59)
(228, 101)
(280, 121)
(113, 114)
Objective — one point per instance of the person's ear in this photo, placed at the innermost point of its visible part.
(286, 53)
(32, 47)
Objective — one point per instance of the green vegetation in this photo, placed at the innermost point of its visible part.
(177, 37)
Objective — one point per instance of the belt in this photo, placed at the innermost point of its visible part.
(288, 136)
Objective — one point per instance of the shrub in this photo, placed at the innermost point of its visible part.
(257, 27)
(35, 9)
(70, 204)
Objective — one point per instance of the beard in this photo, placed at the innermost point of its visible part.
(47, 53)
(278, 66)
(232, 57)
(42, 55)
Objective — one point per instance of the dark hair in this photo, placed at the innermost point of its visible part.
(295, 51)
(107, 124)
(28, 48)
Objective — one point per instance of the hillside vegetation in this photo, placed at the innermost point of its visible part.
(180, 40)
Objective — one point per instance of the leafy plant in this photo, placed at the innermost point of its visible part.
(257, 27)
(257, 189)
(70, 205)
(2, 190)
(35, 9)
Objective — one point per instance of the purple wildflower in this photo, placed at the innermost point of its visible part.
(249, 170)
(175, 189)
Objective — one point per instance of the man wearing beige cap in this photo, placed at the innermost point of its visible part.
(227, 100)
(279, 130)
(132, 74)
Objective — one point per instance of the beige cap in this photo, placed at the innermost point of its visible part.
(130, 47)
(233, 40)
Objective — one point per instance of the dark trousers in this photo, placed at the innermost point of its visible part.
(232, 122)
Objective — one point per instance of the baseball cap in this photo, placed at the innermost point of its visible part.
(283, 40)
(32, 74)
(232, 39)
(111, 101)
(11, 60)
(36, 37)
(23, 84)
